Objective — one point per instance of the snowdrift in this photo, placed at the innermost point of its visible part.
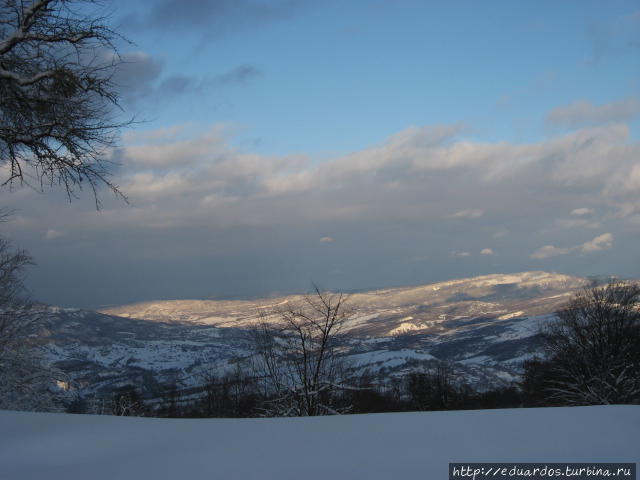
(43, 446)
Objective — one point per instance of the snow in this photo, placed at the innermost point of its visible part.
(371, 304)
(477, 360)
(526, 327)
(404, 327)
(521, 279)
(37, 446)
(508, 316)
(386, 358)
(361, 320)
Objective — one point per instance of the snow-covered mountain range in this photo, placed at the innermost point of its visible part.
(483, 326)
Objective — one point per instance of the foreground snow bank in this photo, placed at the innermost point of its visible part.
(382, 446)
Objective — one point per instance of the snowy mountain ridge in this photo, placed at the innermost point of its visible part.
(386, 311)
(484, 327)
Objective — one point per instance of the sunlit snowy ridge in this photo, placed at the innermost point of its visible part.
(484, 327)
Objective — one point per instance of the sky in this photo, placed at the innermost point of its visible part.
(357, 145)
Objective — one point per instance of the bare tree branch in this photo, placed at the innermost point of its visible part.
(593, 347)
(25, 380)
(58, 103)
(297, 356)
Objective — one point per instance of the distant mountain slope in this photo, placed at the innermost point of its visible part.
(390, 311)
(484, 327)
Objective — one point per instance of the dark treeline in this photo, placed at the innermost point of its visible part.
(237, 396)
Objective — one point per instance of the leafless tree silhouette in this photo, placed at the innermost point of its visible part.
(58, 101)
(594, 347)
(25, 381)
(298, 355)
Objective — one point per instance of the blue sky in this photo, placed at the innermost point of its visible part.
(356, 144)
(322, 69)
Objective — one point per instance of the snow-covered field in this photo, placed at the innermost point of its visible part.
(43, 446)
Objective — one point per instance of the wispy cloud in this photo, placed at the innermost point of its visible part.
(194, 194)
(601, 242)
(52, 234)
(612, 38)
(581, 212)
(549, 251)
(211, 19)
(144, 81)
(579, 218)
(470, 213)
(576, 223)
(184, 177)
(583, 112)
(237, 75)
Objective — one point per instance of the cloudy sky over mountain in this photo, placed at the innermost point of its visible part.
(363, 145)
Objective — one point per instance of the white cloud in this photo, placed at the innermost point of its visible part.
(470, 213)
(549, 251)
(326, 240)
(576, 222)
(601, 242)
(52, 234)
(594, 158)
(486, 251)
(626, 182)
(403, 194)
(421, 173)
(582, 211)
(167, 149)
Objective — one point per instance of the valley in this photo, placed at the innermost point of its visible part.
(482, 327)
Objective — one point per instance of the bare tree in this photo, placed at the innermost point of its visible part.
(57, 96)
(593, 347)
(298, 358)
(434, 389)
(232, 394)
(124, 401)
(26, 383)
